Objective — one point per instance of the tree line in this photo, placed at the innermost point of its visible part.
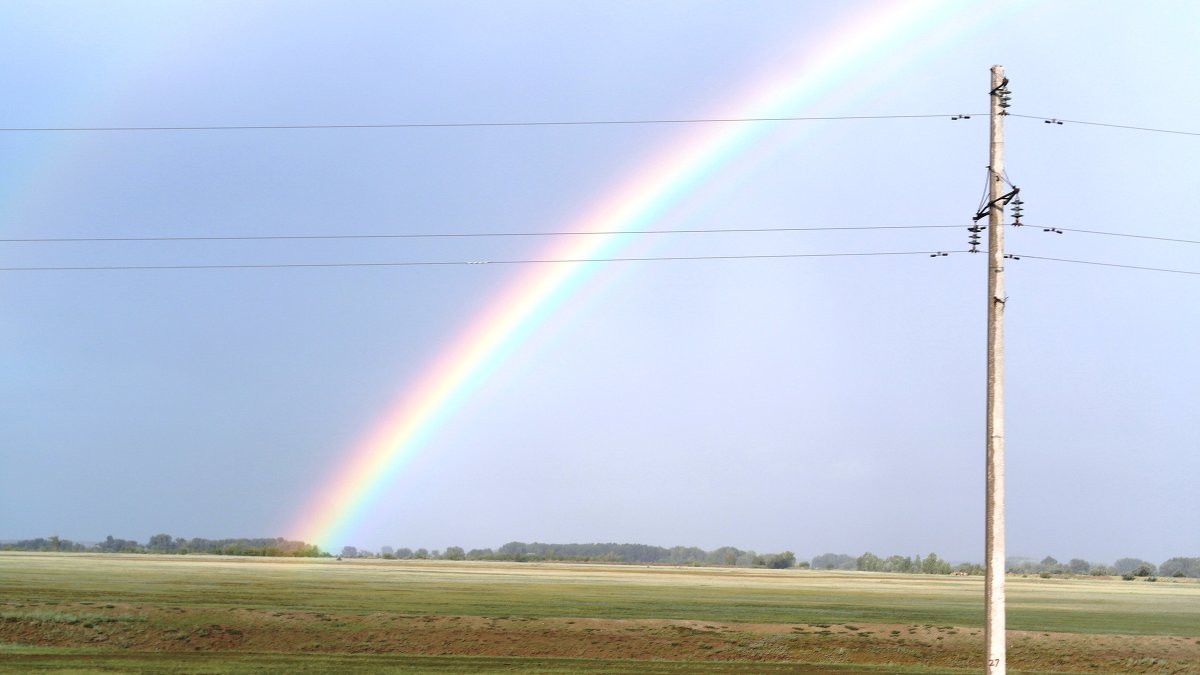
(1125, 567)
(165, 543)
(516, 551)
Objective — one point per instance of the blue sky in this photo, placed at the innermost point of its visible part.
(805, 404)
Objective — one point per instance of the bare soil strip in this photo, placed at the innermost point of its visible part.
(151, 628)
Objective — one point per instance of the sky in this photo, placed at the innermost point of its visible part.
(811, 404)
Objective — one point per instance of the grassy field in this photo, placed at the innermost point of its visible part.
(107, 613)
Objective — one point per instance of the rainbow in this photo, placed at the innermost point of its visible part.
(864, 46)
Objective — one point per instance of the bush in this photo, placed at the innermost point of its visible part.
(1151, 578)
(1126, 577)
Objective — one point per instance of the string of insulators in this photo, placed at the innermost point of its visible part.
(973, 239)
(1018, 210)
(1005, 96)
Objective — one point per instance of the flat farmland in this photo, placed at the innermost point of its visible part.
(209, 614)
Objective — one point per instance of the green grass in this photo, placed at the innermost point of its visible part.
(1084, 605)
(90, 661)
(99, 596)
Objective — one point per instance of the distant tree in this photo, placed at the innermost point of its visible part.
(746, 559)
(421, 554)
(349, 552)
(404, 553)
(161, 543)
(683, 555)
(898, 563)
(53, 543)
(1079, 566)
(454, 553)
(869, 562)
(111, 545)
(933, 565)
(726, 555)
(309, 551)
(1129, 565)
(1050, 565)
(481, 554)
(833, 561)
(1180, 567)
(1017, 564)
(781, 561)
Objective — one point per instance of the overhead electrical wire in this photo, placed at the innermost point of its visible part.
(535, 261)
(468, 235)
(1126, 234)
(432, 235)
(503, 262)
(459, 125)
(1107, 264)
(1128, 127)
(580, 123)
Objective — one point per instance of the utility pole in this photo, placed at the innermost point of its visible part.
(994, 563)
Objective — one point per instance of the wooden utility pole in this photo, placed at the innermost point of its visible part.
(994, 564)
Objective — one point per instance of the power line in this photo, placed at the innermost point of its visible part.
(466, 235)
(1134, 236)
(1059, 120)
(457, 125)
(578, 123)
(1019, 256)
(430, 235)
(446, 263)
